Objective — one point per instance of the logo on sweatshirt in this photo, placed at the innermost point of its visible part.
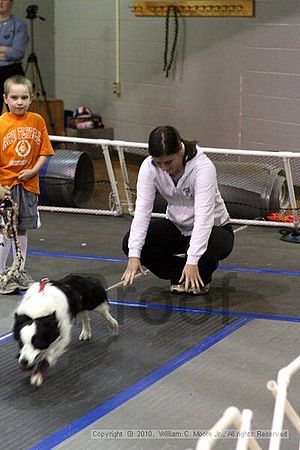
(187, 192)
(23, 148)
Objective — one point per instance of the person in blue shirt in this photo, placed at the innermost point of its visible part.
(13, 43)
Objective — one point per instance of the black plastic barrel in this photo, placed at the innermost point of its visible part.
(67, 180)
(252, 190)
(249, 190)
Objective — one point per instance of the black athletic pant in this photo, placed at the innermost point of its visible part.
(164, 241)
(7, 72)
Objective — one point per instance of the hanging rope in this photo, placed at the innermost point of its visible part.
(168, 65)
(9, 210)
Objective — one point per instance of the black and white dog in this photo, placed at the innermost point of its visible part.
(43, 320)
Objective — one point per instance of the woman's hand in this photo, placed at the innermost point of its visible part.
(191, 277)
(133, 267)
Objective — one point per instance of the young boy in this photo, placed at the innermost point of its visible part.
(24, 149)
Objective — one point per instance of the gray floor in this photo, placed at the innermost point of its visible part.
(169, 370)
(193, 397)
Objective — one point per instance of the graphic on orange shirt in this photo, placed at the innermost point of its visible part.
(23, 148)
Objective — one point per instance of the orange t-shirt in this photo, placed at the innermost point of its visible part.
(22, 140)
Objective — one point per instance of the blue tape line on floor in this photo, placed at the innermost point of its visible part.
(72, 256)
(5, 337)
(124, 261)
(213, 312)
(138, 387)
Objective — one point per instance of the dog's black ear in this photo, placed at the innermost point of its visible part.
(47, 331)
(16, 331)
(22, 318)
(20, 321)
(19, 318)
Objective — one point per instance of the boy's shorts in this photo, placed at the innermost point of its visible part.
(28, 217)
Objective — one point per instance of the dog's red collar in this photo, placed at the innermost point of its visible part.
(43, 283)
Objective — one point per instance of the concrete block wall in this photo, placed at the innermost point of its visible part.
(270, 98)
(43, 39)
(235, 81)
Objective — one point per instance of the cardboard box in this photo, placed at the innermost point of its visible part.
(56, 111)
(93, 133)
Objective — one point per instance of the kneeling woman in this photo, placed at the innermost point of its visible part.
(197, 222)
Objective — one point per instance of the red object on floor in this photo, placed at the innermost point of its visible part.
(277, 217)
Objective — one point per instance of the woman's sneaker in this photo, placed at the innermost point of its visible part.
(180, 289)
(8, 288)
(23, 280)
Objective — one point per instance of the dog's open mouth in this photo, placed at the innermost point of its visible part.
(24, 364)
(26, 367)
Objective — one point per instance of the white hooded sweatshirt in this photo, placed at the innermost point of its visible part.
(194, 204)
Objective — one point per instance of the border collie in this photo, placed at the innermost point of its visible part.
(43, 320)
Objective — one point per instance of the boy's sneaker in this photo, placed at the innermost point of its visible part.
(23, 280)
(8, 288)
(180, 289)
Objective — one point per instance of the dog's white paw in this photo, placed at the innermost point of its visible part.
(37, 379)
(114, 327)
(85, 335)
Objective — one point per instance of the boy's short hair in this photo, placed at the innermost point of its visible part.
(17, 79)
